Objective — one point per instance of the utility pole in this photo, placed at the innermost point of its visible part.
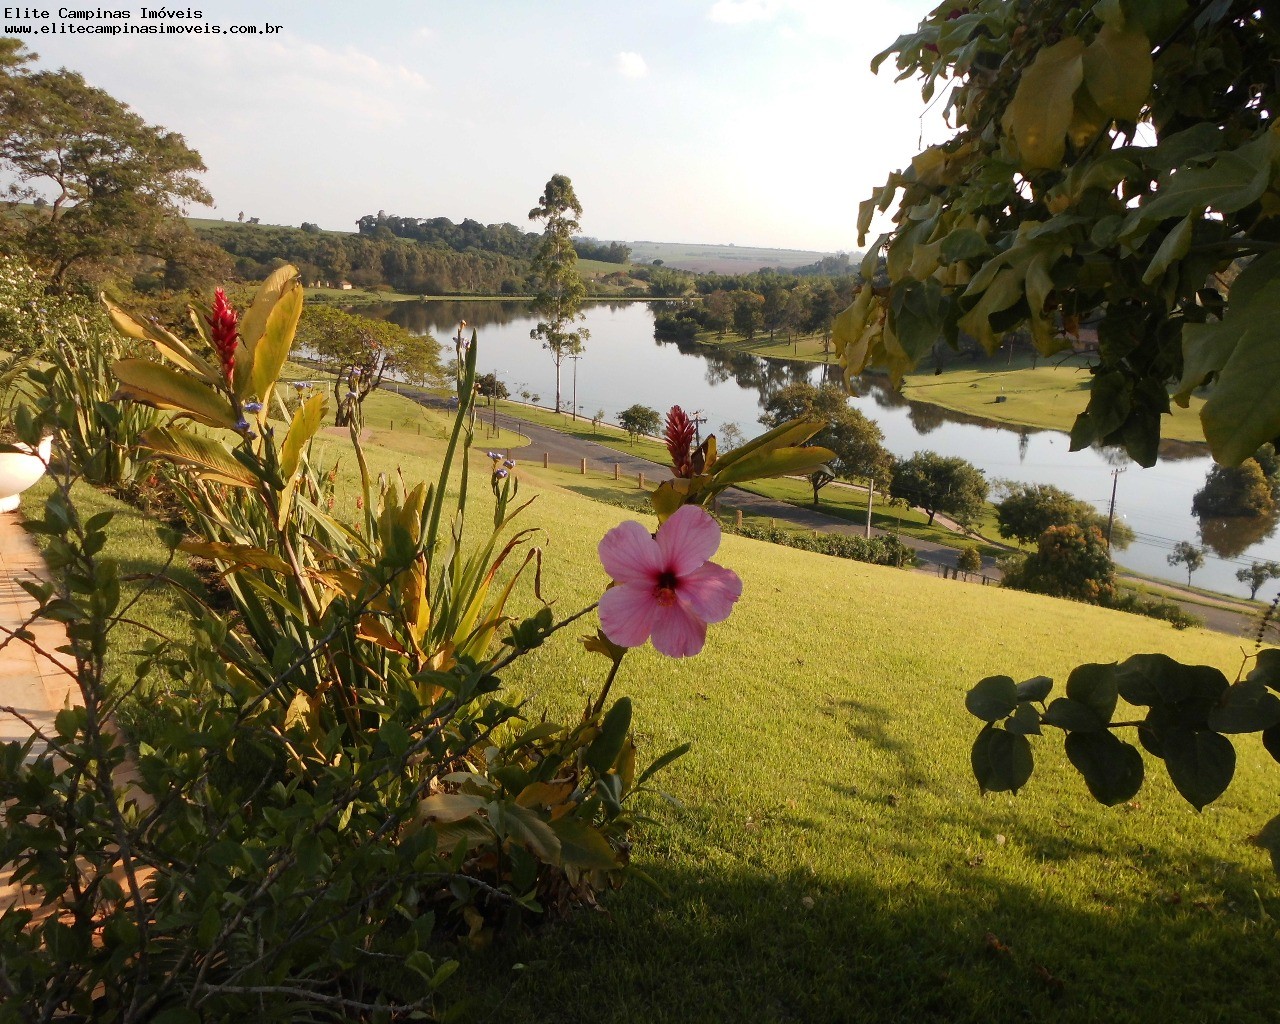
(697, 419)
(495, 403)
(870, 485)
(1111, 512)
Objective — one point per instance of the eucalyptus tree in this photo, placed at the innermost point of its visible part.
(558, 301)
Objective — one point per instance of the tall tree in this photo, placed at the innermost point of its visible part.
(555, 266)
(1187, 554)
(1027, 510)
(103, 185)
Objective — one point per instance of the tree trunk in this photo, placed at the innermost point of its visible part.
(932, 513)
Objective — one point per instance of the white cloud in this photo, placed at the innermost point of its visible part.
(630, 65)
(739, 12)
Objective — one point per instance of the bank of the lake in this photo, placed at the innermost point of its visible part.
(623, 364)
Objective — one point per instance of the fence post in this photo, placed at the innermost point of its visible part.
(616, 470)
(738, 519)
(584, 467)
(640, 479)
(546, 460)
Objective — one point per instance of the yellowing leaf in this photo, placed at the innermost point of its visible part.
(306, 421)
(272, 349)
(374, 631)
(1243, 410)
(237, 555)
(165, 388)
(203, 453)
(1117, 72)
(1043, 104)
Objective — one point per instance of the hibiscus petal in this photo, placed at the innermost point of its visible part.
(687, 539)
(629, 554)
(711, 591)
(677, 631)
(628, 613)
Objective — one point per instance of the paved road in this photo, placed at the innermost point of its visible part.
(564, 450)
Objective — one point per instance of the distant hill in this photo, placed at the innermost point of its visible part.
(721, 259)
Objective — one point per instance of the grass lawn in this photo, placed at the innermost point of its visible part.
(832, 859)
(604, 433)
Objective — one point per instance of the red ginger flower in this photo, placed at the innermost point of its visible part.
(679, 441)
(222, 321)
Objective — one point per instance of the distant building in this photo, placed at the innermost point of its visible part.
(346, 286)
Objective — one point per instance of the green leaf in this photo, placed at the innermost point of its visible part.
(254, 322)
(661, 762)
(1248, 706)
(272, 349)
(1271, 741)
(1025, 721)
(992, 698)
(582, 846)
(306, 421)
(604, 748)
(163, 387)
(1111, 768)
(526, 827)
(778, 462)
(1266, 667)
(1200, 763)
(1176, 244)
(1243, 410)
(963, 244)
(1002, 762)
(1036, 688)
(205, 454)
(1117, 71)
(785, 435)
(1095, 687)
(1043, 104)
(1072, 716)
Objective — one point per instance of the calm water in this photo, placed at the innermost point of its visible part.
(623, 364)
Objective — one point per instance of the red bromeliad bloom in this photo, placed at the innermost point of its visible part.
(679, 440)
(222, 321)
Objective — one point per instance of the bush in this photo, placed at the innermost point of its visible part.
(969, 559)
(1071, 562)
(884, 550)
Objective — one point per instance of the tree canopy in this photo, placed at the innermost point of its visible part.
(1027, 510)
(939, 483)
(857, 442)
(360, 352)
(102, 185)
(1114, 161)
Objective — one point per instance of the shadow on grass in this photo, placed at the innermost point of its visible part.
(734, 943)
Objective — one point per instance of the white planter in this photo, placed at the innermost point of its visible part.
(19, 470)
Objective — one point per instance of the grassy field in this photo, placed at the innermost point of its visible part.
(832, 859)
(721, 259)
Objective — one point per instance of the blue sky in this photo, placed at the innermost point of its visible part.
(749, 121)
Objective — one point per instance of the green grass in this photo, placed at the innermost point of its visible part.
(832, 860)
(604, 433)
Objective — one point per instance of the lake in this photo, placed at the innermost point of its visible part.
(623, 364)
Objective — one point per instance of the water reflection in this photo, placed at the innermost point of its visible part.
(622, 365)
(1231, 537)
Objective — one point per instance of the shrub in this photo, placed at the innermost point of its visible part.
(1071, 562)
(969, 559)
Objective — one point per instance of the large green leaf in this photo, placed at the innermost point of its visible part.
(1200, 763)
(613, 733)
(306, 421)
(1044, 103)
(582, 846)
(1248, 706)
(1176, 244)
(1243, 410)
(1117, 71)
(254, 323)
(1095, 687)
(1001, 761)
(166, 388)
(168, 345)
(1111, 768)
(780, 462)
(992, 698)
(272, 349)
(526, 827)
(793, 432)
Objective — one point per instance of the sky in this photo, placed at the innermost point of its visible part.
(756, 122)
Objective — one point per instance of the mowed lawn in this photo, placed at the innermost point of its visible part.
(832, 859)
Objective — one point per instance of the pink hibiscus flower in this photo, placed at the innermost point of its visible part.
(664, 587)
